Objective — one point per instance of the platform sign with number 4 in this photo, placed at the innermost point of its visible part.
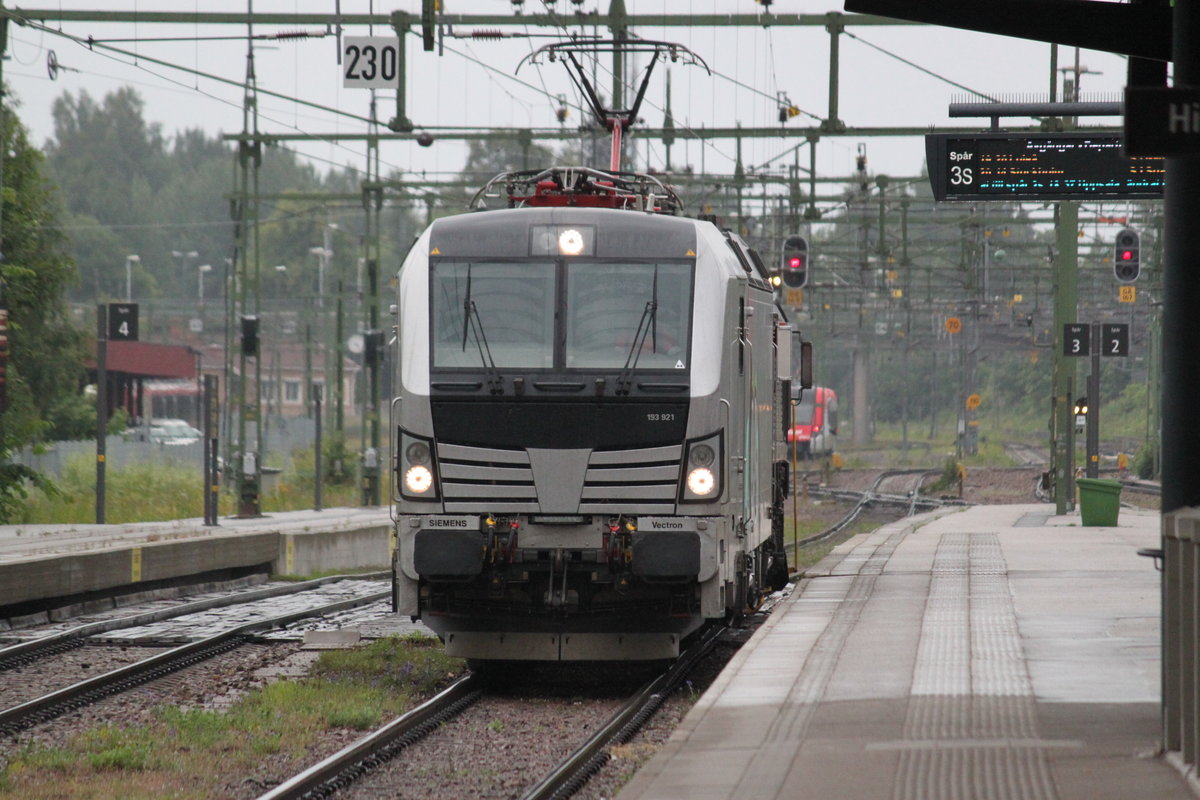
(370, 62)
(123, 322)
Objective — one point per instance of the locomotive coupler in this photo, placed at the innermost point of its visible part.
(501, 547)
(557, 593)
(618, 548)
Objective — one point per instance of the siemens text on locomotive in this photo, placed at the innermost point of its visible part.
(589, 423)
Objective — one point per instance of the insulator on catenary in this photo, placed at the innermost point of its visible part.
(487, 34)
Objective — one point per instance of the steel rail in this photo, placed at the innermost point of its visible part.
(573, 772)
(1142, 486)
(343, 767)
(54, 704)
(864, 499)
(914, 493)
(43, 646)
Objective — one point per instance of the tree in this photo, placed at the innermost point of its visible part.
(488, 158)
(46, 362)
(130, 189)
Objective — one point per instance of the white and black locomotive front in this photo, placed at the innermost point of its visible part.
(561, 486)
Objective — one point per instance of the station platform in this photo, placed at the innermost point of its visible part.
(72, 564)
(994, 652)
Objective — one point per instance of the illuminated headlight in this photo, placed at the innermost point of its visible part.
(701, 482)
(416, 472)
(418, 479)
(702, 464)
(570, 242)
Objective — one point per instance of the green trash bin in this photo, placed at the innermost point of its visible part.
(1099, 501)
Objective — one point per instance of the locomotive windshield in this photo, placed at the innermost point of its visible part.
(493, 314)
(618, 315)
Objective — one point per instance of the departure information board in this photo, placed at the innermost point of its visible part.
(1045, 166)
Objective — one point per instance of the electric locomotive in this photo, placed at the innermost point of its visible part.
(589, 423)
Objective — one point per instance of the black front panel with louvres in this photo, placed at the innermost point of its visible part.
(515, 424)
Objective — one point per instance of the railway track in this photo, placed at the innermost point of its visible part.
(1145, 487)
(1025, 455)
(910, 499)
(343, 768)
(59, 640)
(52, 704)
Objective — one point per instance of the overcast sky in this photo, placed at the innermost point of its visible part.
(473, 83)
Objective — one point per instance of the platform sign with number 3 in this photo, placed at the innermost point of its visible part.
(1077, 339)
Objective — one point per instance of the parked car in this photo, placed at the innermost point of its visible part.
(172, 432)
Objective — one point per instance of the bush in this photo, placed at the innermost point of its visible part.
(947, 480)
(338, 460)
(1143, 462)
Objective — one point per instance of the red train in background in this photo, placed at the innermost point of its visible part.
(815, 422)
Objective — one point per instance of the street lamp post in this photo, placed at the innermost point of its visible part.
(323, 255)
(203, 268)
(130, 260)
(184, 258)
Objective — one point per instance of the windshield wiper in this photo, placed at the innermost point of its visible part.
(472, 323)
(650, 316)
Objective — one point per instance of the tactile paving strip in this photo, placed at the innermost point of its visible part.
(971, 730)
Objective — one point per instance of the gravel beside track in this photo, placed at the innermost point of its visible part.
(23, 683)
(496, 748)
(625, 759)
(194, 687)
(984, 485)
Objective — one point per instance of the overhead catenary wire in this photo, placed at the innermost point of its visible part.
(686, 129)
(139, 64)
(918, 67)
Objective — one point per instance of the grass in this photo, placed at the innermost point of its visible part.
(1123, 420)
(198, 754)
(813, 553)
(153, 492)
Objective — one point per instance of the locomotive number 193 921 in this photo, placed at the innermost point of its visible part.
(664, 416)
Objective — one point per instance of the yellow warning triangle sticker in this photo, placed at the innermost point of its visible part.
(691, 252)
(435, 252)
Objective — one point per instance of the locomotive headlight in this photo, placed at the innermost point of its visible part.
(701, 482)
(570, 242)
(418, 479)
(416, 470)
(702, 464)
(417, 453)
(701, 456)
